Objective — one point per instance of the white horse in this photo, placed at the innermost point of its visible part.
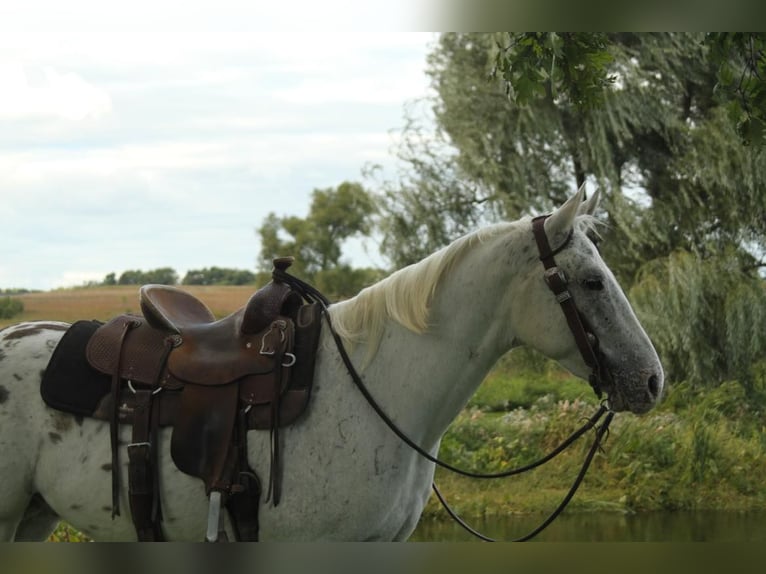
(427, 336)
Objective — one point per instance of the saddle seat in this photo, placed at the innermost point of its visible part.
(171, 309)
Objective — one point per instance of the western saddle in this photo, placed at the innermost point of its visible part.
(211, 381)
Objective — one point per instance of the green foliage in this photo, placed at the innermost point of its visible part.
(218, 276)
(555, 65)
(168, 276)
(316, 241)
(708, 454)
(741, 85)
(417, 205)
(706, 316)
(576, 66)
(703, 448)
(489, 442)
(10, 307)
(65, 533)
(344, 281)
(502, 392)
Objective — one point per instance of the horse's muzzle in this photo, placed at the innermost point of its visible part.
(638, 394)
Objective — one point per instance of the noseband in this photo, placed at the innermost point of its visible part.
(556, 279)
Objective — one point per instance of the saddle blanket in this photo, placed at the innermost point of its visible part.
(69, 383)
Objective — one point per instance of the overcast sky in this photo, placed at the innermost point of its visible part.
(145, 134)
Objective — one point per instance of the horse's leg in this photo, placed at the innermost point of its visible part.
(24, 353)
(39, 521)
(16, 452)
(12, 508)
(26, 518)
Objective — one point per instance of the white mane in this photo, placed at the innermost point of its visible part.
(405, 295)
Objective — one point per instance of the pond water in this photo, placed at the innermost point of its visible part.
(703, 526)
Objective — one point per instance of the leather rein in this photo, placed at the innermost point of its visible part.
(587, 344)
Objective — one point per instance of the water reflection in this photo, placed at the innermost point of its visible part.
(701, 526)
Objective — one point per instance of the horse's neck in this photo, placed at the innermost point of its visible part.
(426, 379)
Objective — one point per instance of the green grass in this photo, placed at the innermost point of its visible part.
(702, 449)
(65, 533)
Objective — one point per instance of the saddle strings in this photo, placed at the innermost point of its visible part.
(310, 293)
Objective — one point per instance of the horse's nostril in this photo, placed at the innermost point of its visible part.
(654, 386)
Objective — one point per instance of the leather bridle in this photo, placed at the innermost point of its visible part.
(586, 341)
(558, 283)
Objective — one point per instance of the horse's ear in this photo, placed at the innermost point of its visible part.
(588, 207)
(559, 224)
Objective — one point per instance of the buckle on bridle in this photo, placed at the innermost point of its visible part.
(556, 272)
(563, 296)
(557, 281)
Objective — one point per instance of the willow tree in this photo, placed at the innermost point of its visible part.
(523, 119)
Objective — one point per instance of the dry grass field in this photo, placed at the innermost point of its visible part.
(102, 303)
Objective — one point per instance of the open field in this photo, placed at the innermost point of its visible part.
(102, 303)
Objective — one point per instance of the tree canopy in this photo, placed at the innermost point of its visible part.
(218, 276)
(666, 125)
(161, 276)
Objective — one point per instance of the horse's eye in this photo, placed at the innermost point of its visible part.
(593, 284)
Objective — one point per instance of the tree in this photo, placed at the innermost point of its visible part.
(316, 241)
(218, 276)
(524, 119)
(708, 316)
(162, 276)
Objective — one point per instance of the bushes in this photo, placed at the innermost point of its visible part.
(699, 458)
(703, 448)
(522, 377)
(10, 307)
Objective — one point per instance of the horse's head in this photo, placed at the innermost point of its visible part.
(627, 367)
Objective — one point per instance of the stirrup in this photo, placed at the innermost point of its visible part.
(214, 517)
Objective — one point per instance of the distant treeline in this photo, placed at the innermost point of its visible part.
(168, 276)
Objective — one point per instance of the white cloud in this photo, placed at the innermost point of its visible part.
(31, 91)
(380, 87)
(194, 123)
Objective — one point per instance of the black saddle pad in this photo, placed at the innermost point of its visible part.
(69, 383)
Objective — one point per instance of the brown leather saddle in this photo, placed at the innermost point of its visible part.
(211, 381)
